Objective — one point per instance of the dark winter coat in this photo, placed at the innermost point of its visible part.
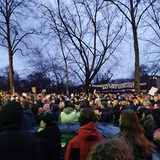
(148, 126)
(15, 143)
(107, 115)
(49, 143)
(117, 112)
(156, 113)
(29, 119)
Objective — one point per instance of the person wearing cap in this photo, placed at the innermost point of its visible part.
(15, 142)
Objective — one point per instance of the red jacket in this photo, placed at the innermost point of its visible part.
(79, 146)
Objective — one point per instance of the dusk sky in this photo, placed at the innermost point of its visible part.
(123, 69)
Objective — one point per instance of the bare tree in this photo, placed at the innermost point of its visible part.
(151, 23)
(150, 71)
(154, 22)
(54, 37)
(133, 11)
(47, 65)
(4, 75)
(93, 35)
(12, 34)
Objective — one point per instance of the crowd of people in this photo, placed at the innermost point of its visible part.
(137, 115)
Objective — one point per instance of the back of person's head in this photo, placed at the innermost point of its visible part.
(111, 149)
(104, 104)
(25, 104)
(54, 107)
(67, 102)
(49, 118)
(71, 105)
(87, 115)
(129, 122)
(11, 115)
(83, 104)
(57, 101)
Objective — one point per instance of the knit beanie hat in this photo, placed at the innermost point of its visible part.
(11, 114)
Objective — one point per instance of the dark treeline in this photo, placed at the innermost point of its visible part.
(41, 82)
(37, 80)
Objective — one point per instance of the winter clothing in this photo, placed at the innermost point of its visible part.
(79, 147)
(116, 112)
(156, 113)
(49, 143)
(107, 115)
(15, 143)
(29, 119)
(148, 126)
(49, 138)
(49, 118)
(11, 116)
(68, 115)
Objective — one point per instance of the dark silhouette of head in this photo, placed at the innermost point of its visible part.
(87, 115)
(11, 115)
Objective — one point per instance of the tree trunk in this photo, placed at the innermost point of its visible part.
(11, 73)
(86, 87)
(10, 56)
(136, 50)
(137, 70)
(67, 89)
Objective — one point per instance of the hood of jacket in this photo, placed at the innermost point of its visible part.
(148, 119)
(88, 132)
(68, 110)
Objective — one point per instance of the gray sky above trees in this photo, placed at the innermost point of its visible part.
(124, 68)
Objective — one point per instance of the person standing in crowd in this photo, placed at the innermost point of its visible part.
(116, 111)
(15, 142)
(111, 149)
(68, 114)
(79, 146)
(131, 131)
(49, 138)
(29, 117)
(156, 113)
(147, 122)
